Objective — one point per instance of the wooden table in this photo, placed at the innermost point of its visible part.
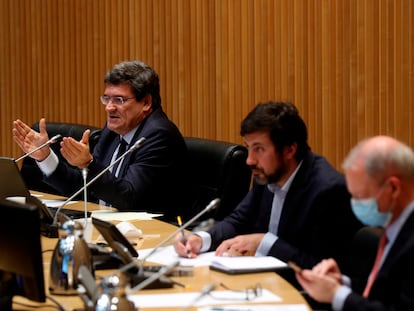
(155, 231)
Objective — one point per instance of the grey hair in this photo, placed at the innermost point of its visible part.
(381, 162)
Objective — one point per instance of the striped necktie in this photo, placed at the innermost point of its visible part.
(121, 150)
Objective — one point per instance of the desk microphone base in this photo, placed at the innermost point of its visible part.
(49, 230)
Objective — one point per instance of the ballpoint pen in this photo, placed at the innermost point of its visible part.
(183, 238)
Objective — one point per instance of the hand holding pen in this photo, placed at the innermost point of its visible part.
(183, 237)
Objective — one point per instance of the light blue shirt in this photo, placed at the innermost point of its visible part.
(271, 237)
(277, 205)
(392, 232)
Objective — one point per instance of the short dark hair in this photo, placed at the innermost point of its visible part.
(142, 78)
(282, 121)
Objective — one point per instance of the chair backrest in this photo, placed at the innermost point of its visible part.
(31, 172)
(217, 169)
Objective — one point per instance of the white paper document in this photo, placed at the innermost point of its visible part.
(239, 264)
(109, 215)
(185, 299)
(246, 264)
(167, 255)
(56, 203)
(274, 307)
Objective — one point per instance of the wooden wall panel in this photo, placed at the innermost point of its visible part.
(347, 64)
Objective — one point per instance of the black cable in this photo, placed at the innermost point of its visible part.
(56, 304)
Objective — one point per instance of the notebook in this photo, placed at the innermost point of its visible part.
(12, 184)
(247, 264)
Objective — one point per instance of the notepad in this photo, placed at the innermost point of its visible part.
(247, 264)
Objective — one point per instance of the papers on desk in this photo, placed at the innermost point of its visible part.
(246, 264)
(274, 307)
(167, 255)
(55, 203)
(109, 215)
(231, 265)
(184, 299)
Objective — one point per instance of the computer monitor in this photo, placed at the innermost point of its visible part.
(21, 264)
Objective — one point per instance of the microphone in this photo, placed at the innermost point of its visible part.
(211, 206)
(135, 146)
(49, 142)
(141, 273)
(204, 291)
(153, 277)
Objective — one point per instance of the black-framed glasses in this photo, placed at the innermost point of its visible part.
(116, 100)
(249, 293)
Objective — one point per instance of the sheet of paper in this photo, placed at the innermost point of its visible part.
(167, 255)
(56, 203)
(248, 263)
(274, 307)
(191, 298)
(109, 215)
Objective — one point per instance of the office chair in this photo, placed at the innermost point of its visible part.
(31, 172)
(216, 169)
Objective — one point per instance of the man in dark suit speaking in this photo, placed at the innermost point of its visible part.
(380, 176)
(298, 208)
(147, 178)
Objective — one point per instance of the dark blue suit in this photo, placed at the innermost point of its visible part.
(150, 178)
(316, 222)
(393, 289)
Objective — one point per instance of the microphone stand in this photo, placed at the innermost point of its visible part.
(49, 142)
(204, 291)
(135, 146)
(212, 205)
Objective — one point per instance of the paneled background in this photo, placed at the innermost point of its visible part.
(347, 64)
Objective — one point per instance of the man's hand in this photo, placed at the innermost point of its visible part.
(28, 139)
(241, 245)
(77, 153)
(330, 268)
(320, 287)
(188, 247)
(322, 282)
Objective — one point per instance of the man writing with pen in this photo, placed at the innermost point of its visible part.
(298, 208)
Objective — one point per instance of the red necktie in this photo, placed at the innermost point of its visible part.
(381, 246)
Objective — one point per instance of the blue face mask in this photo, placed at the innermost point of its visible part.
(366, 210)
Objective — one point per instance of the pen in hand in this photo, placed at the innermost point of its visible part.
(183, 238)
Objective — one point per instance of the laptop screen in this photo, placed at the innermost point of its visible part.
(11, 181)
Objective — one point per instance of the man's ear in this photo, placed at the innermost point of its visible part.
(147, 103)
(290, 151)
(395, 184)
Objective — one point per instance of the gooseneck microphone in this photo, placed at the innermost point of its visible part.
(153, 277)
(47, 143)
(211, 206)
(204, 291)
(135, 146)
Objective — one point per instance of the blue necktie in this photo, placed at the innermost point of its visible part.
(121, 150)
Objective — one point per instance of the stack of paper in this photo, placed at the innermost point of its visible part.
(246, 264)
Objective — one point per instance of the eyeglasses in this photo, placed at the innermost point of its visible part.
(249, 293)
(116, 100)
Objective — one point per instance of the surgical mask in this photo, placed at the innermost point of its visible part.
(366, 210)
